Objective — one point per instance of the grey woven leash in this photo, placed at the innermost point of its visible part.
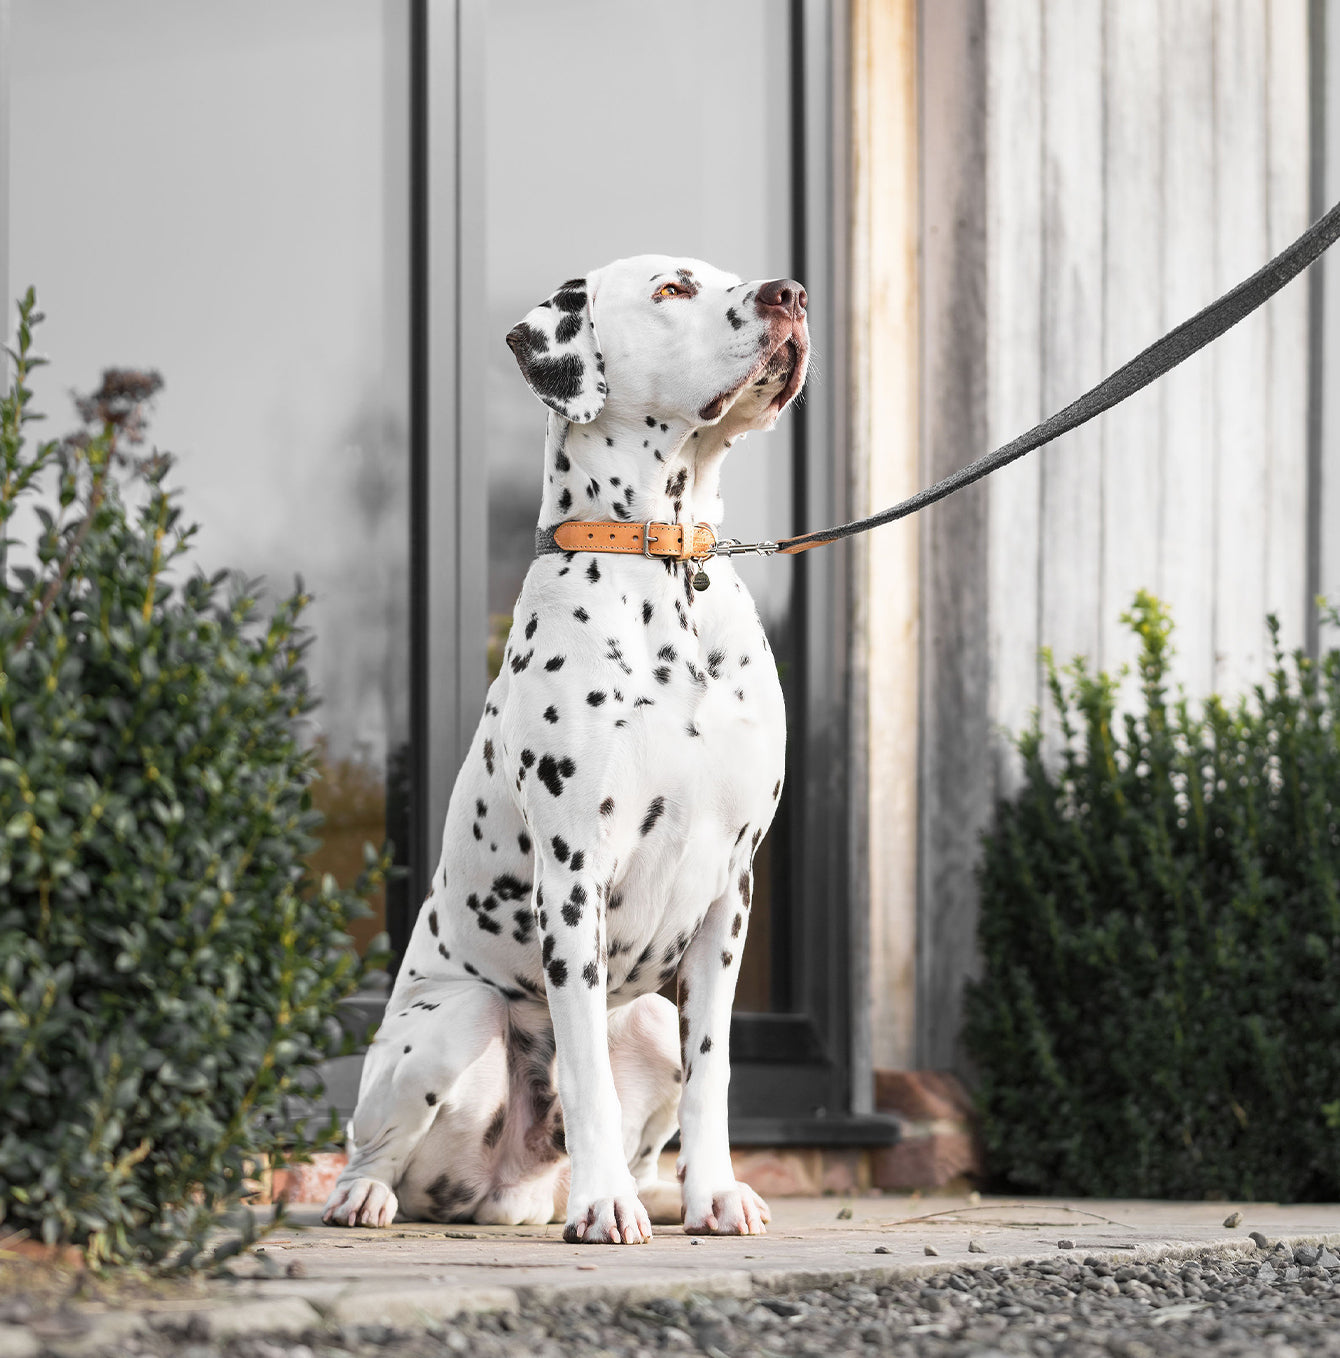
(1161, 357)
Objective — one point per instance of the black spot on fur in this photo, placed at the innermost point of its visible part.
(557, 972)
(565, 504)
(553, 771)
(432, 922)
(568, 328)
(519, 662)
(734, 319)
(727, 958)
(555, 379)
(571, 299)
(647, 610)
(735, 926)
(560, 848)
(509, 888)
(705, 1046)
(523, 842)
(525, 341)
(777, 787)
(591, 974)
(745, 889)
(607, 807)
(578, 860)
(430, 1099)
(593, 573)
(493, 1132)
(561, 461)
(488, 757)
(527, 759)
(662, 674)
(654, 813)
(595, 698)
(554, 663)
(551, 713)
(580, 613)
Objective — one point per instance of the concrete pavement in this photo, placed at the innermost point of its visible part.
(307, 1275)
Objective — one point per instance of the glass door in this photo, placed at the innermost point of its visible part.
(221, 193)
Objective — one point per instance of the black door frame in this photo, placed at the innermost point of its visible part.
(800, 1066)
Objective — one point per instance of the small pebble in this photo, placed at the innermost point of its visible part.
(1259, 1240)
(976, 1247)
(932, 1251)
(1065, 1244)
(883, 1249)
(1233, 1219)
(844, 1214)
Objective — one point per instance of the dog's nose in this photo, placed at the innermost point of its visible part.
(785, 294)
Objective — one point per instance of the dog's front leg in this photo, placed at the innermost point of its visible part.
(713, 1200)
(603, 1205)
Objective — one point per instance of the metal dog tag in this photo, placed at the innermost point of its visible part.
(700, 581)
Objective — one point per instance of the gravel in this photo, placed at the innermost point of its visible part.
(1282, 1302)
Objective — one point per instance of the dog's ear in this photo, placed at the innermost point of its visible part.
(557, 352)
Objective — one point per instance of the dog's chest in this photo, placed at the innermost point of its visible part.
(665, 702)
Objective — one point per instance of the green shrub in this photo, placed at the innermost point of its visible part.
(169, 972)
(1159, 1012)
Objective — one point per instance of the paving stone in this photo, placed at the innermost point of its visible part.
(411, 1307)
(17, 1342)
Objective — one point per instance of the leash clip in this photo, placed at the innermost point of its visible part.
(734, 547)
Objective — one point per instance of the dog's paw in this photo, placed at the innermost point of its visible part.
(360, 1202)
(735, 1210)
(620, 1220)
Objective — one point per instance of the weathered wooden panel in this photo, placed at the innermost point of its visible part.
(1238, 238)
(1285, 386)
(886, 463)
(1014, 352)
(956, 784)
(1131, 436)
(1186, 176)
(1073, 315)
(1141, 157)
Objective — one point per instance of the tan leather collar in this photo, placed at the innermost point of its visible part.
(642, 539)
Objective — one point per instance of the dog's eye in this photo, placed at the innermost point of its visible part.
(670, 290)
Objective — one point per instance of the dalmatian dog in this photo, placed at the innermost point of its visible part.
(601, 833)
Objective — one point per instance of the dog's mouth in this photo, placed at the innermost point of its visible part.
(786, 364)
(781, 362)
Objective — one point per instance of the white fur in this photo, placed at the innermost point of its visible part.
(601, 831)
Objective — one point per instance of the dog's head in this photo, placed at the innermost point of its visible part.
(655, 337)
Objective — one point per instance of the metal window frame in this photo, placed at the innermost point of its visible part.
(802, 1067)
